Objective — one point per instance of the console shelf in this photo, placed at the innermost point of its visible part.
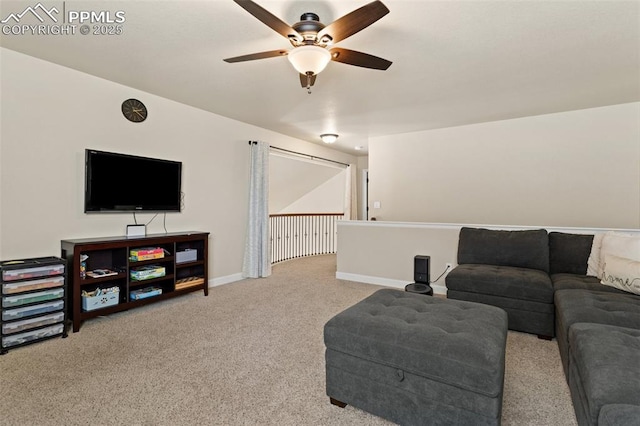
(114, 254)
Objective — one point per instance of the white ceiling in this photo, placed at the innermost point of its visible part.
(454, 62)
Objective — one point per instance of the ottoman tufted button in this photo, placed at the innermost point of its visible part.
(400, 375)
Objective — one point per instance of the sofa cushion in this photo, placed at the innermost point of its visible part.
(523, 249)
(569, 253)
(503, 281)
(458, 343)
(604, 367)
(619, 415)
(620, 309)
(581, 282)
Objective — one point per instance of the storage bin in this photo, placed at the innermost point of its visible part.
(188, 255)
(90, 303)
(28, 324)
(27, 311)
(32, 272)
(22, 286)
(20, 338)
(23, 299)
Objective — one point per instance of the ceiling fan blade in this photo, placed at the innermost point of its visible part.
(359, 59)
(303, 80)
(254, 56)
(353, 22)
(269, 19)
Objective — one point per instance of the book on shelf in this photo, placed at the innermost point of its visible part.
(146, 253)
(143, 293)
(148, 272)
(99, 273)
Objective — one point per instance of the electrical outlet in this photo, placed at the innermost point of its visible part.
(449, 266)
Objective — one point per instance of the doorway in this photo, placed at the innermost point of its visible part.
(364, 190)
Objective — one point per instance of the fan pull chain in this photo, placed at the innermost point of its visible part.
(309, 83)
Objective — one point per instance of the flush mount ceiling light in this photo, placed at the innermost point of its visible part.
(329, 137)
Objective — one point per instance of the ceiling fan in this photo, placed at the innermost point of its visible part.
(311, 40)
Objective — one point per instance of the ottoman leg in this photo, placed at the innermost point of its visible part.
(337, 403)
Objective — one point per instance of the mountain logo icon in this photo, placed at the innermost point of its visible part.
(38, 11)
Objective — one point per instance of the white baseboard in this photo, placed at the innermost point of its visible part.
(225, 280)
(387, 282)
(439, 289)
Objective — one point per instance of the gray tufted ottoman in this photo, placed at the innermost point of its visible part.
(588, 306)
(415, 359)
(604, 370)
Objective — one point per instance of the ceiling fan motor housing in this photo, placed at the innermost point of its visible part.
(309, 26)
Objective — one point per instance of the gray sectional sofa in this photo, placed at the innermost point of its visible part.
(540, 279)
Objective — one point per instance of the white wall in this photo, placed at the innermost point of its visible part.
(572, 169)
(327, 197)
(299, 185)
(56, 113)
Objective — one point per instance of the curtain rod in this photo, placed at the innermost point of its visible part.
(304, 155)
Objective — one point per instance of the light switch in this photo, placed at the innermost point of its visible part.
(376, 204)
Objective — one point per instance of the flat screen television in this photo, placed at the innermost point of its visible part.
(128, 183)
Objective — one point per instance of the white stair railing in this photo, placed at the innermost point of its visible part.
(303, 234)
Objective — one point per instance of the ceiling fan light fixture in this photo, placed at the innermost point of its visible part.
(329, 137)
(309, 59)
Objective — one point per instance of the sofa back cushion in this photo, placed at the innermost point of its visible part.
(524, 249)
(569, 253)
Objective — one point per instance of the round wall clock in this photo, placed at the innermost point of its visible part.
(134, 110)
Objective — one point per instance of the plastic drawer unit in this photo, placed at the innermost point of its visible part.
(32, 336)
(32, 293)
(28, 298)
(28, 324)
(26, 273)
(22, 286)
(29, 311)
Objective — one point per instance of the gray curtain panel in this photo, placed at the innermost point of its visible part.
(257, 259)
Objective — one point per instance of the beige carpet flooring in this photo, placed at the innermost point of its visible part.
(250, 353)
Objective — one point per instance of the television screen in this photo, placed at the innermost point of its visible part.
(127, 183)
